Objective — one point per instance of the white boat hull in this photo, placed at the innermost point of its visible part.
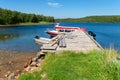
(42, 40)
(52, 32)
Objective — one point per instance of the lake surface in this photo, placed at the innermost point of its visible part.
(21, 38)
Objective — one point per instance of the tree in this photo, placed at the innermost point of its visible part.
(35, 19)
(15, 17)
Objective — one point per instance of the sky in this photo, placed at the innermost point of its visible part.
(64, 8)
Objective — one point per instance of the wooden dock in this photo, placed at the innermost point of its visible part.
(73, 41)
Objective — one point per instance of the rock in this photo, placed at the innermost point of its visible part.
(18, 71)
(6, 75)
(25, 65)
(42, 55)
(35, 59)
(34, 68)
(17, 76)
(39, 64)
(29, 61)
(34, 64)
(40, 60)
(11, 76)
(27, 68)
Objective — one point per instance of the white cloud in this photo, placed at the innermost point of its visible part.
(53, 4)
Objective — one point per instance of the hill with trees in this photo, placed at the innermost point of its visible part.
(14, 17)
(101, 19)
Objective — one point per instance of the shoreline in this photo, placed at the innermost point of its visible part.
(25, 24)
(12, 61)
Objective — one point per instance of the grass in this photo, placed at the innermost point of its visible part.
(67, 65)
(30, 23)
(27, 23)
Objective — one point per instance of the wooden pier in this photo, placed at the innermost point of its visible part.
(73, 41)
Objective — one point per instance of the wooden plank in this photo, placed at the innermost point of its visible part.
(74, 41)
(79, 41)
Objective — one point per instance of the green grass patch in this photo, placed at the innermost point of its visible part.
(31, 23)
(26, 24)
(67, 65)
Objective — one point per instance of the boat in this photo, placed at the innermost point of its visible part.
(52, 32)
(59, 29)
(41, 40)
(68, 29)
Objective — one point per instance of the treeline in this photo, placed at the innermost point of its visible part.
(101, 19)
(15, 17)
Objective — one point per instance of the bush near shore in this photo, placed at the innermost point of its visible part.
(67, 65)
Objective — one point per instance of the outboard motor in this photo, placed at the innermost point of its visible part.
(92, 34)
(37, 37)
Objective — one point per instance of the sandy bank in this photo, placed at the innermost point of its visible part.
(11, 61)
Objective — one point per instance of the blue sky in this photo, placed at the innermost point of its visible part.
(64, 8)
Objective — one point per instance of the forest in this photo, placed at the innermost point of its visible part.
(97, 19)
(14, 17)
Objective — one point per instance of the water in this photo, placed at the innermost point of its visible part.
(22, 39)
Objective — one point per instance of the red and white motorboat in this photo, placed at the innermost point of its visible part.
(63, 29)
(68, 29)
(52, 32)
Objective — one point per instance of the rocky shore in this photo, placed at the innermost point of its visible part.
(12, 62)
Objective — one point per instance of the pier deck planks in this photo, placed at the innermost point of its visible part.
(75, 41)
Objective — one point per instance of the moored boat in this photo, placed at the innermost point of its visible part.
(59, 29)
(68, 29)
(41, 40)
(52, 32)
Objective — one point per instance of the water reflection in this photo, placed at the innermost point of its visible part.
(4, 37)
(21, 38)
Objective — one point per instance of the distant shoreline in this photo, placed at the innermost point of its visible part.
(96, 19)
(26, 24)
